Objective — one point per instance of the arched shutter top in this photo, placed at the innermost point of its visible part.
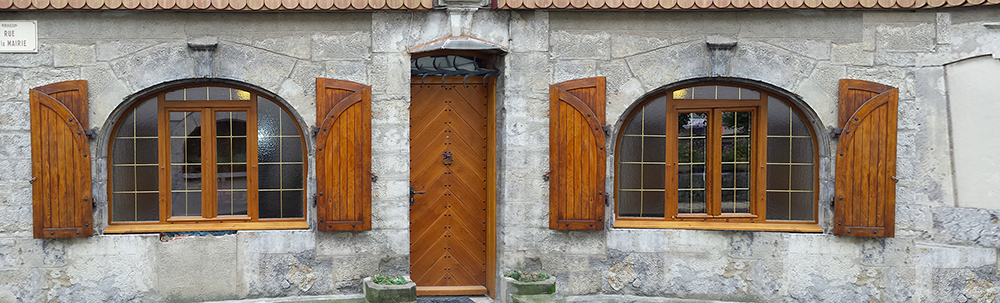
(853, 94)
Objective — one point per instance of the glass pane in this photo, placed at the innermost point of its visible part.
(736, 123)
(147, 119)
(778, 118)
(778, 149)
(629, 203)
(799, 126)
(269, 204)
(778, 206)
(291, 149)
(630, 149)
(269, 176)
(652, 176)
(654, 149)
(127, 126)
(291, 202)
(185, 203)
(185, 164)
(779, 177)
(802, 177)
(691, 124)
(268, 115)
(748, 94)
(704, 92)
(123, 208)
(655, 117)
(802, 206)
(147, 151)
(802, 150)
(735, 201)
(268, 149)
(291, 176)
(221, 93)
(682, 94)
(231, 202)
(728, 93)
(691, 201)
(652, 204)
(123, 151)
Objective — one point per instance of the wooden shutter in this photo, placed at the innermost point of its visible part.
(60, 161)
(577, 158)
(865, 201)
(343, 155)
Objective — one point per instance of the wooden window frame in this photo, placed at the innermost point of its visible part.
(209, 220)
(714, 219)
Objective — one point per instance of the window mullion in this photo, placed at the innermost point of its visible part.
(252, 200)
(163, 132)
(208, 164)
(713, 165)
(670, 189)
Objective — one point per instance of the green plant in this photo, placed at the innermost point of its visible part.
(527, 276)
(388, 280)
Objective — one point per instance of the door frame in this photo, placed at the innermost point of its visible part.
(491, 177)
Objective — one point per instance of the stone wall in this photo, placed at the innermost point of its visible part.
(941, 253)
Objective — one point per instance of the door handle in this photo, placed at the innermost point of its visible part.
(414, 192)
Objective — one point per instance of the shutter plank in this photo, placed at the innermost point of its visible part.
(344, 155)
(866, 155)
(577, 156)
(60, 161)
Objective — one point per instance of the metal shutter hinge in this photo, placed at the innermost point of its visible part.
(835, 132)
(314, 130)
(606, 129)
(91, 133)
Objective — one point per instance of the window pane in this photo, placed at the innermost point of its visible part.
(652, 176)
(291, 204)
(291, 149)
(185, 164)
(134, 174)
(654, 149)
(629, 203)
(630, 149)
(209, 93)
(655, 117)
(728, 92)
(652, 204)
(280, 155)
(790, 171)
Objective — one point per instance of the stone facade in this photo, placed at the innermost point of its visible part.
(941, 253)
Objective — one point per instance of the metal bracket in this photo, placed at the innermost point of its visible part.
(607, 200)
(91, 133)
(314, 200)
(546, 176)
(606, 129)
(314, 130)
(374, 177)
(835, 132)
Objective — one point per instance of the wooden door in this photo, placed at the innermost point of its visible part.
(448, 162)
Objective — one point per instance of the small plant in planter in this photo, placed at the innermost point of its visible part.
(389, 289)
(529, 283)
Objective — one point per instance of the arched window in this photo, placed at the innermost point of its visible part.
(210, 157)
(716, 156)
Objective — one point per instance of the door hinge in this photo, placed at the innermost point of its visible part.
(607, 130)
(314, 130)
(91, 133)
(835, 132)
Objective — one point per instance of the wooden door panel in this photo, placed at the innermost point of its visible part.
(448, 222)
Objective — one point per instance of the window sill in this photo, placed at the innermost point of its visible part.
(805, 227)
(134, 228)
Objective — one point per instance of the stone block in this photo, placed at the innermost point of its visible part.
(851, 54)
(628, 43)
(18, 171)
(770, 64)
(389, 166)
(814, 49)
(389, 31)
(277, 241)
(73, 55)
(299, 89)
(908, 37)
(16, 220)
(671, 64)
(492, 26)
(838, 26)
(391, 214)
(580, 45)
(298, 46)
(252, 65)
(427, 27)
(529, 31)
(354, 267)
(286, 274)
(390, 75)
(341, 46)
(22, 284)
(519, 133)
(391, 112)
(106, 91)
(13, 78)
(526, 214)
(44, 57)
(574, 69)
(533, 158)
(17, 145)
(108, 50)
(169, 60)
(525, 108)
(199, 268)
(389, 139)
(36, 77)
(356, 71)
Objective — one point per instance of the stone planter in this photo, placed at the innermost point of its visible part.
(520, 289)
(376, 293)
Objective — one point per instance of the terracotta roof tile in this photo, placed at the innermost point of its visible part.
(222, 5)
(734, 4)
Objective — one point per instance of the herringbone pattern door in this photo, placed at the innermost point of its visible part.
(448, 153)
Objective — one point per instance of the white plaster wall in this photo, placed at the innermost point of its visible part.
(974, 104)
